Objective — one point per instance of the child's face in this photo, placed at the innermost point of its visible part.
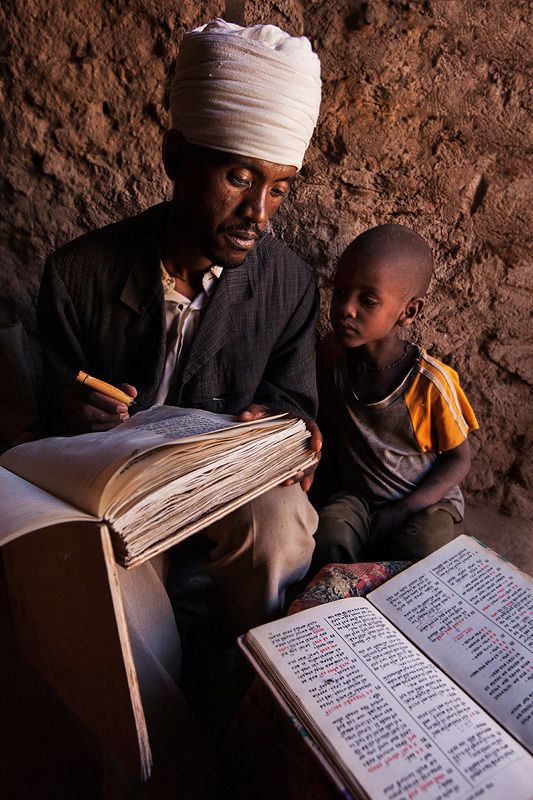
(368, 300)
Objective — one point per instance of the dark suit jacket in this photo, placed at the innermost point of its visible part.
(101, 310)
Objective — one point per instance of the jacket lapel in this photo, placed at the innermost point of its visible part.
(142, 289)
(219, 318)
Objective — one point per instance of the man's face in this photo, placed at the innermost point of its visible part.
(368, 299)
(224, 201)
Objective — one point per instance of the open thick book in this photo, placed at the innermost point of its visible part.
(424, 689)
(154, 480)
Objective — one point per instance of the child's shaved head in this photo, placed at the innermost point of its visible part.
(397, 248)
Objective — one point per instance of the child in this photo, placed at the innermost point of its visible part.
(399, 417)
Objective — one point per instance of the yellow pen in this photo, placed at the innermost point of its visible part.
(104, 388)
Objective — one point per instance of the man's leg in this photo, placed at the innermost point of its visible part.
(259, 550)
(343, 531)
(424, 532)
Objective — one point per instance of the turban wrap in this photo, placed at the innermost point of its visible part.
(252, 91)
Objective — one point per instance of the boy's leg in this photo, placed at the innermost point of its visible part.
(343, 531)
(425, 532)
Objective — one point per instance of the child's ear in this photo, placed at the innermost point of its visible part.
(412, 310)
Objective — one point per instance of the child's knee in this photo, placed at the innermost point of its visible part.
(424, 533)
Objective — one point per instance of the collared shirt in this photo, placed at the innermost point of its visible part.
(182, 318)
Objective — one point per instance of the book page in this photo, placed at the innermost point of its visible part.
(78, 468)
(27, 508)
(472, 613)
(395, 726)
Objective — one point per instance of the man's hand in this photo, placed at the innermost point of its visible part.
(304, 477)
(87, 411)
(255, 411)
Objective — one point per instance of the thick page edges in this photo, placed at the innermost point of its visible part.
(155, 480)
(79, 469)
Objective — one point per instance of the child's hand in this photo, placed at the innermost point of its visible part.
(388, 521)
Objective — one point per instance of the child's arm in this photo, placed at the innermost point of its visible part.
(449, 469)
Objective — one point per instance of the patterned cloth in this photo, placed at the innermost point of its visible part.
(337, 581)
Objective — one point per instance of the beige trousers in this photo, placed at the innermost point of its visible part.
(260, 549)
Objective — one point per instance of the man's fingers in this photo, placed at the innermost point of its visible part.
(86, 398)
(102, 413)
(305, 477)
(307, 482)
(128, 389)
(316, 436)
(254, 411)
(86, 410)
(103, 409)
(93, 419)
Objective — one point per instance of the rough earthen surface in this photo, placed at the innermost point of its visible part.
(424, 122)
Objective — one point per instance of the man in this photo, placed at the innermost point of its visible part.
(193, 303)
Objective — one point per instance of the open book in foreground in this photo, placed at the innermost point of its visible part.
(400, 691)
(154, 480)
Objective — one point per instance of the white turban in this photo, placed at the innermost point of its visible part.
(252, 91)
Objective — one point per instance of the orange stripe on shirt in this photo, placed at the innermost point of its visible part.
(439, 410)
(447, 381)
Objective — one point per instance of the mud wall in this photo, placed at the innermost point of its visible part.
(424, 122)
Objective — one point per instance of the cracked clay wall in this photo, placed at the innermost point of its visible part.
(424, 122)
